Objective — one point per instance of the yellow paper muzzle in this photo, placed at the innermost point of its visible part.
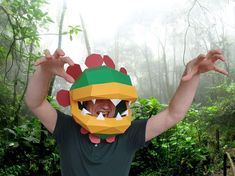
(103, 83)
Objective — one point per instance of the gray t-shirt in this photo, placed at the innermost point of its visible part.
(80, 157)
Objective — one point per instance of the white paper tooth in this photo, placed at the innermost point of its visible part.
(115, 101)
(118, 117)
(93, 100)
(100, 116)
(129, 103)
(85, 112)
(125, 113)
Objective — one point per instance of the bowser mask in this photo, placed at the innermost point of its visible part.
(100, 81)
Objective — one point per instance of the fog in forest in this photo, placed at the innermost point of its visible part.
(153, 40)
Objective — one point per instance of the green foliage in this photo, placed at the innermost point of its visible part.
(145, 108)
(21, 146)
(217, 116)
(187, 149)
(25, 18)
(53, 102)
(19, 37)
(223, 112)
(190, 148)
(5, 103)
(73, 30)
(20, 151)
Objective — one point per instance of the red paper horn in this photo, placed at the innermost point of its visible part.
(75, 71)
(63, 98)
(123, 70)
(94, 60)
(109, 62)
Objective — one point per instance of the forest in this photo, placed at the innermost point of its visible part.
(153, 42)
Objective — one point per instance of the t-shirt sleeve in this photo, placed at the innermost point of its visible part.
(63, 123)
(136, 133)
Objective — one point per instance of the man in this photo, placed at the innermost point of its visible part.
(81, 156)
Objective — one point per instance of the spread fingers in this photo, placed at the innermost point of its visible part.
(217, 69)
(58, 53)
(67, 60)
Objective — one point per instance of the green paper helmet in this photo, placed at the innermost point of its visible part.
(99, 81)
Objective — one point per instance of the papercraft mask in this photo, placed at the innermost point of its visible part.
(99, 81)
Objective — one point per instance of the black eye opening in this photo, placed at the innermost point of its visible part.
(120, 108)
(81, 105)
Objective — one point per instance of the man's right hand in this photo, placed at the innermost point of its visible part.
(37, 90)
(54, 64)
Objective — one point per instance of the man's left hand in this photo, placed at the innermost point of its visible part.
(204, 63)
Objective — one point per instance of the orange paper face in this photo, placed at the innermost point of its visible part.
(112, 91)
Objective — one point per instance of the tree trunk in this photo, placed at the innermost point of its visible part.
(116, 49)
(85, 36)
(18, 104)
(64, 8)
(174, 78)
(166, 74)
(61, 24)
(146, 56)
(22, 95)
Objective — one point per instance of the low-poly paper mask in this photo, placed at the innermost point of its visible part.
(99, 81)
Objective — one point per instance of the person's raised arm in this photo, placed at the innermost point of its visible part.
(37, 89)
(184, 94)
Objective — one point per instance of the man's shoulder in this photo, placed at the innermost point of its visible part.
(65, 123)
(138, 122)
(137, 125)
(64, 117)
(62, 114)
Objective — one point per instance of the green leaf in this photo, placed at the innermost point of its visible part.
(10, 131)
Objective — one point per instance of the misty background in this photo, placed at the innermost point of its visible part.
(153, 40)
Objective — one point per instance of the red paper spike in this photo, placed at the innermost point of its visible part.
(109, 62)
(94, 60)
(63, 98)
(123, 70)
(111, 139)
(94, 139)
(75, 71)
(83, 130)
